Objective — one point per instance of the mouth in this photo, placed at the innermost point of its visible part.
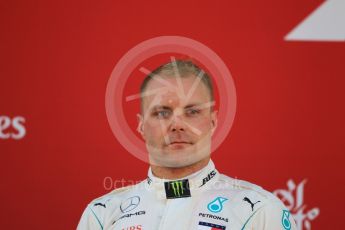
(179, 144)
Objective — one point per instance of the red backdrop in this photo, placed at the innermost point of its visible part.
(57, 151)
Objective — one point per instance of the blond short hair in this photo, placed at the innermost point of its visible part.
(185, 68)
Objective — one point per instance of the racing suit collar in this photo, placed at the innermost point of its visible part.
(197, 181)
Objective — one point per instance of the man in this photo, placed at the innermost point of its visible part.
(183, 189)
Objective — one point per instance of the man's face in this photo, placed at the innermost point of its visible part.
(176, 121)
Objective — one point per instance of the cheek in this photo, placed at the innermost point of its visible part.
(202, 124)
(153, 129)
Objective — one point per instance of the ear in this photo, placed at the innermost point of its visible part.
(140, 127)
(214, 121)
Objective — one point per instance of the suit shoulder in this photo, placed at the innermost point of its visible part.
(247, 188)
(111, 195)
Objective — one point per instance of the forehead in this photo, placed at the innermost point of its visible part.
(183, 90)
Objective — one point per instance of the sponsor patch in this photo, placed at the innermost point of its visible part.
(209, 226)
(177, 189)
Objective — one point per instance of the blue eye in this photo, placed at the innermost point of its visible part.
(162, 114)
(193, 112)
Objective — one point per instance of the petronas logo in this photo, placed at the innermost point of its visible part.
(216, 205)
(285, 220)
(177, 189)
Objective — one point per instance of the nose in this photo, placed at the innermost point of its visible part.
(177, 123)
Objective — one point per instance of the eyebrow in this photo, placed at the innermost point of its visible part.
(193, 105)
(157, 107)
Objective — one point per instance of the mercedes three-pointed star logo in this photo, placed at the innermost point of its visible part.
(130, 204)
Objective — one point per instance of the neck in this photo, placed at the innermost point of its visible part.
(176, 173)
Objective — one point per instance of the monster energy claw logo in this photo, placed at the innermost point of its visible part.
(177, 189)
(285, 220)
